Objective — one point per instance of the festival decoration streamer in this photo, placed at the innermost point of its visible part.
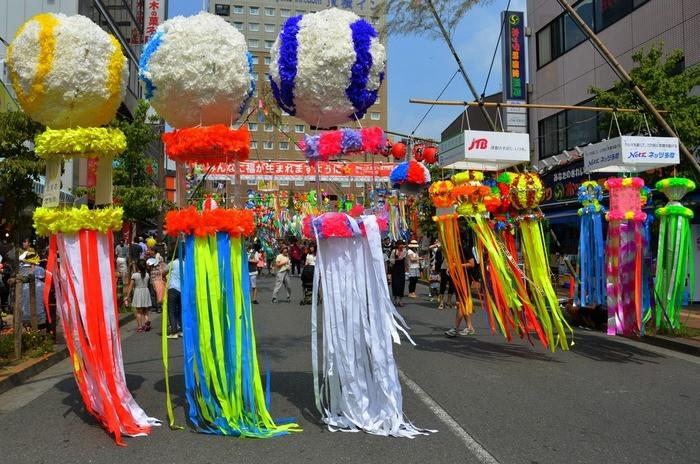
(591, 281)
(624, 252)
(86, 299)
(224, 391)
(357, 383)
(648, 300)
(674, 264)
(526, 193)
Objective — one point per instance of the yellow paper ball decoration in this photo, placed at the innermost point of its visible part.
(67, 71)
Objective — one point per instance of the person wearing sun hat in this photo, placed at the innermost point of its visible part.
(29, 265)
(413, 267)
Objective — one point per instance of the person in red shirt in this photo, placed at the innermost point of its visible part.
(295, 253)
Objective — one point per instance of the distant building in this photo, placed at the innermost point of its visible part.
(473, 118)
(260, 22)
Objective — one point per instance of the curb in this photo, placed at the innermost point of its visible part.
(41, 364)
(690, 348)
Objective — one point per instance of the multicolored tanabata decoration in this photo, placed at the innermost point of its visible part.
(357, 385)
(591, 247)
(648, 300)
(327, 67)
(674, 264)
(198, 76)
(343, 142)
(526, 193)
(410, 177)
(71, 76)
(223, 387)
(625, 252)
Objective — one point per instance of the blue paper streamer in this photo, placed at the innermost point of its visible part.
(287, 65)
(357, 92)
(151, 47)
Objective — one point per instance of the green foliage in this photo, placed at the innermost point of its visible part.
(426, 209)
(663, 82)
(34, 344)
(19, 167)
(406, 17)
(135, 188)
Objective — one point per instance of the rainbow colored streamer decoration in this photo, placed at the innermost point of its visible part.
(674, 264)
(625, 251)
(86, 298)
(526, 193)
(591, 281)
(648, 300)
(223, 387)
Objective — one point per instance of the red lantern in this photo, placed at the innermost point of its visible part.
(430, 155)
(418, 152)
(398, 150)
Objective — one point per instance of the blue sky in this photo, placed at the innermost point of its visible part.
(419, 67)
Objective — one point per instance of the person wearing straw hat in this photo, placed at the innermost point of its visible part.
(413, 267)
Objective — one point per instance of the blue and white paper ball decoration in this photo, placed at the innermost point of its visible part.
(197, 71)
(327, 67)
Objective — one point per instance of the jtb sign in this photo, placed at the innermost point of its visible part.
(483, 150)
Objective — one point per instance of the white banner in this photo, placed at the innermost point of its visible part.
(631, 154)
(485, 150)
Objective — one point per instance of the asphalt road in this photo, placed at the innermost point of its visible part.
(606, 401)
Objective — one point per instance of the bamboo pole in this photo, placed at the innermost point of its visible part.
(17, 317)
(545, 106)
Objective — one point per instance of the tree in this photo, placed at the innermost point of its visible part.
(415, 17)
(667, 85)
(426, 208)
(19, 168)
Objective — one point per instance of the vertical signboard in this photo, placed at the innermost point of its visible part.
(514, 82)
(154, 15)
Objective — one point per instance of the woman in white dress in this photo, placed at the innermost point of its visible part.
(142, 297)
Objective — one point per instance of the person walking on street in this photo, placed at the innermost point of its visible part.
(413, 268)
(398, 265)
(282, 265)
(174, 302)
(141, 297)
(295, 254)
(460, 316)
(253, 259)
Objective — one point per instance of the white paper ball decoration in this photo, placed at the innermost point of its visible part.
(197, 70)
(67, 71)
(327, 67)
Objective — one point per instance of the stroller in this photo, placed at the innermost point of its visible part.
(307, 283)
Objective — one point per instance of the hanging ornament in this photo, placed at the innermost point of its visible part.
(624, 252)
(418, 152)
(398, 150)
(591, 250)
(430, 155)
(674, 264)
(410, 177)
(440, 193)
(332, 144)
(327, 67)
(526, 194)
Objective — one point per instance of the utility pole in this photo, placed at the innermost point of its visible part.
(461, 66)
(624, 75)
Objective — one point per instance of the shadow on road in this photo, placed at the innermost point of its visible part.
(298, 388)
(600, 348)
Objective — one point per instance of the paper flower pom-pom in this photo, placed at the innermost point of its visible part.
(440, 193)
(675, 188)
(237, 223)
(49, 221)
(526, 190)
(91, 142)
(67, 71)
(327, 67)
(197, 71)
(410, 173)
(211, 144)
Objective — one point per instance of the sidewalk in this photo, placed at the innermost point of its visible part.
(13, 376)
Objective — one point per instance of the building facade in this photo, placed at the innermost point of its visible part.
(260, 22)
(563, 65)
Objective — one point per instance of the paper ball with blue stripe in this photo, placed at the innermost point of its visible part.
(197, 71)
(327, 67)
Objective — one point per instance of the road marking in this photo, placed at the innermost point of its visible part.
(472, 445)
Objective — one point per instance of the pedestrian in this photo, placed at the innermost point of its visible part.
(413, 268)
(295, 253)
(29, 266)
(141, 300)
(307, 275)
(155, 270)
(144, 248)
(470, 264)
(253, 260)
(262, 261)
(134, 256)
(174, 302)
(282, 265)
(398, 264)
(121, 253)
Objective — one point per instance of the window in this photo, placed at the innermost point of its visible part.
(253, 144)
(284, 145)
(268, 44)
(378, 100)
(269, 28)
(573, 35)
(255, 77)
(299, 12)
(238, 9)
(252, 126)
(255, 59)
(268, 128)
(568, 129)
(222, 10)
(375, 116)
(284, 12)
(299, 128)
(238, 25)
(268, 60)
(269, 11)
(254, 10)
(296, 147)
(253, 43)
(253, 27)
(286, 128)
(267, 145)
(610, 11)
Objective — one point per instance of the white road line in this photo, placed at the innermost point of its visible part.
(472, 445)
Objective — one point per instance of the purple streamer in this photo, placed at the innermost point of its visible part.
(357, 93)
(287, 65)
